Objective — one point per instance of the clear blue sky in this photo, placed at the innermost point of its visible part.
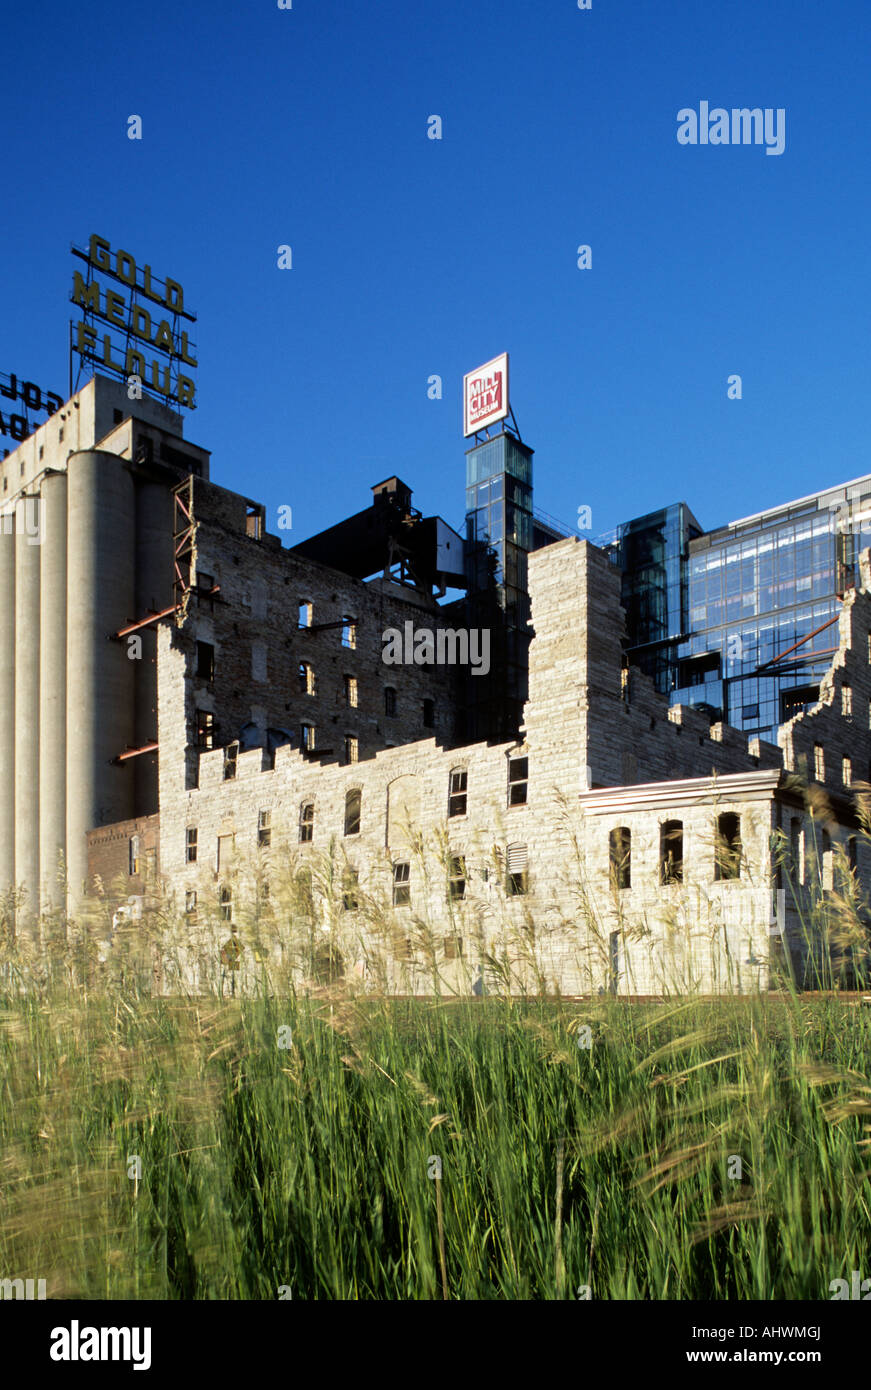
(411, 257)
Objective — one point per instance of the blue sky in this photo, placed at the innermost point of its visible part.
(414, 257)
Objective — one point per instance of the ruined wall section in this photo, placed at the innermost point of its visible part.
(587, 722)
(253, 624)
(840, 724)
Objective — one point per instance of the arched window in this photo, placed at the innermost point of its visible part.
(671, 851)
(620, 855)
(353, 810)
(727, 846)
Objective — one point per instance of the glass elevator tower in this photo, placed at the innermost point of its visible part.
(499, 537)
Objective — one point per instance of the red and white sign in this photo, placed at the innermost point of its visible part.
(485, 395)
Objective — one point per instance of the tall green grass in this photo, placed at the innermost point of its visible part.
(305, 1167)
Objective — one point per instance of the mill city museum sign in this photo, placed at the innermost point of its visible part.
(485, 395)
(135, 333)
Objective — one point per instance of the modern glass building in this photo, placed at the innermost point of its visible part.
(762, 598)
(652, 552)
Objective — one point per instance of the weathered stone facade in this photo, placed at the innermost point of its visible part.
(464, 864)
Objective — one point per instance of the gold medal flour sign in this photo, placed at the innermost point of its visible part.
(137, 331)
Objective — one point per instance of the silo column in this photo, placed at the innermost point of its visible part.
(7, 700)
(101, 556)
(27, 606)
(53, 687)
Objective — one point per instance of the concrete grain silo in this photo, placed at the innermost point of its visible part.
(86, 550)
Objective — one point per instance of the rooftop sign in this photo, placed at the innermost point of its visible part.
(135, 334)
(485, 395)
(26, 397)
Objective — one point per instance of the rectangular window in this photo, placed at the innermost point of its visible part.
(349, 634)
(231, 753)
(620, 857)
(264, 829)
(190, 900)
(205, 729)
(307, 737)
(429, 714)
(727, 847)
(671, 851)
(846, 772)
(453, 946)
(389, 701)
(351, 691)
(352, 748)
(307, 683)
(191, 847)
(133, 855)
(819, 763)
(847, 701)
(517, 879)
(225, 899)
(205, 661)
(306, 822)
(225, 851)
(305, 613)
(457, 877)
(518, 776)
(458, 791)
(401, 885)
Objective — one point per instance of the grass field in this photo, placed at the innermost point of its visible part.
(691, 1149)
